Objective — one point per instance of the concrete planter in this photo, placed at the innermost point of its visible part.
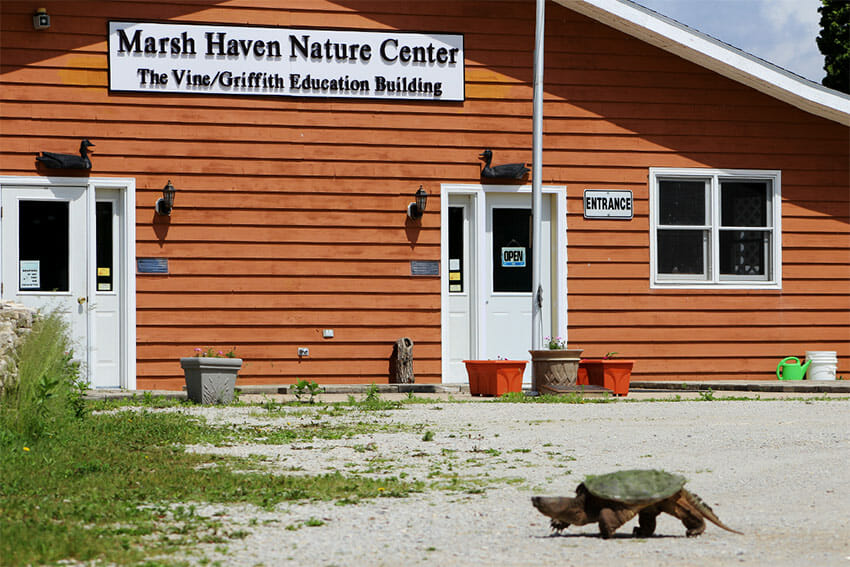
(555, 371)
(210, 380)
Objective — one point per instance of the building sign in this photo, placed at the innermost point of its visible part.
(236, 60)
(30, 274)
(513, 257)
(608, 204)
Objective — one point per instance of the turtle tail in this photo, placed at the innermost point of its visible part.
(706, 511)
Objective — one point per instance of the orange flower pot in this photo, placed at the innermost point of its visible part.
(494, 377)
(612, 373)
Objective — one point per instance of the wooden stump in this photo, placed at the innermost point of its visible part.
(401, 362)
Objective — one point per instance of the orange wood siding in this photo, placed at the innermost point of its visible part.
(290, 212)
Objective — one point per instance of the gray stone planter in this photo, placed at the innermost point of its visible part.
(210, 380)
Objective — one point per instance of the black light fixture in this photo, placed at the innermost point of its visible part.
(41, 20)
(417, 208)
(166, 203)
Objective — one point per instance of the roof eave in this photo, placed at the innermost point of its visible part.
(689, 44)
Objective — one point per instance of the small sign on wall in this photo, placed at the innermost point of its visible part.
(513, 257)
(30, 274)
(608, 204)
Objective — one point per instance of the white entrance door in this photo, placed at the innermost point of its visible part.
(487, 254)
(462, 323)
(106, 351)
(44, 239)
(66, 247)
(507, 291)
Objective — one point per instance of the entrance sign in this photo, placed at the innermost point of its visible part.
(30, 274)
(513, 257)
(608, 204)
(236, 60)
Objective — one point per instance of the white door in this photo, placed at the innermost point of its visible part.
(108, 327)
(507, 289)
(44, 238)
(486, 296)
(461, 285)
(65, 248)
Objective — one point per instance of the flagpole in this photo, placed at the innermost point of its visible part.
(536, 179)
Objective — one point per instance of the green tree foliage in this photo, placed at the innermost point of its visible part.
(834, 43)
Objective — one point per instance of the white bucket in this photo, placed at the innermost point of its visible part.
(824, 364)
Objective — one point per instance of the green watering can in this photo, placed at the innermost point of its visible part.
(789, 368)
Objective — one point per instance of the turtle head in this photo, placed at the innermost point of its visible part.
(561, 509)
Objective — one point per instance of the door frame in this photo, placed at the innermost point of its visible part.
(477, 195)
(126, 271)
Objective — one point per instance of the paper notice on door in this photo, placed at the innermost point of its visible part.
(30, 274)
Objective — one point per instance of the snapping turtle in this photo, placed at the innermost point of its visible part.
(614, 499)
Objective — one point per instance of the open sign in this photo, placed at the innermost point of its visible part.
(513, 257)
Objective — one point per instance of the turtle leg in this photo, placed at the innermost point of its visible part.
(612, 518)
(646, 522)
(690, 516)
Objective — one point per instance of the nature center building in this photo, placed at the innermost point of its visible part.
(255, 167)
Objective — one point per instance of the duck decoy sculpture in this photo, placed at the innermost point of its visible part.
(506, 171)
(67, 161)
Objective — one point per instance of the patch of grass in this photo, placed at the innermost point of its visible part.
(43, 386)
(97, 489)
(521, 398)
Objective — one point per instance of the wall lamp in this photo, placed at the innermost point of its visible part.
(166, 203)
(417, 208)
(40, 20)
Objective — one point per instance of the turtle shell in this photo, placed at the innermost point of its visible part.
(635, 486)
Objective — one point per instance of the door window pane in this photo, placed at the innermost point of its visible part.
(43, 245)
(512, 268)
(681, 202)
(681, 252)
(456, 251)
(103, 213)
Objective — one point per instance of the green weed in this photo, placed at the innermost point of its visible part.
(43, 383)
(303, 389)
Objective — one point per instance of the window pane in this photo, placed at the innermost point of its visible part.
(681, 202)
(456, 248)
(742, 252)
(104, 245)
(743, 203)
(681, 252)
(512, 250)
(43, 245)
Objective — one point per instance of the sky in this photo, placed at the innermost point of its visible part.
(782, 32)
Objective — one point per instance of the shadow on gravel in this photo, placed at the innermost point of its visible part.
(590, 535)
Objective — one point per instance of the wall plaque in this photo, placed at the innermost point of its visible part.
(424, 268)
(152, 265)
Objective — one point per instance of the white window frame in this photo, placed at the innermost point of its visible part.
(712, 278)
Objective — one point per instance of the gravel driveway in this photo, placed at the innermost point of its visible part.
(779, 471)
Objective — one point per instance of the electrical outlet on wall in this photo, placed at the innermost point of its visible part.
(303, 351)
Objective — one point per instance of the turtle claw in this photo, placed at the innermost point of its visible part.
(558, 526)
